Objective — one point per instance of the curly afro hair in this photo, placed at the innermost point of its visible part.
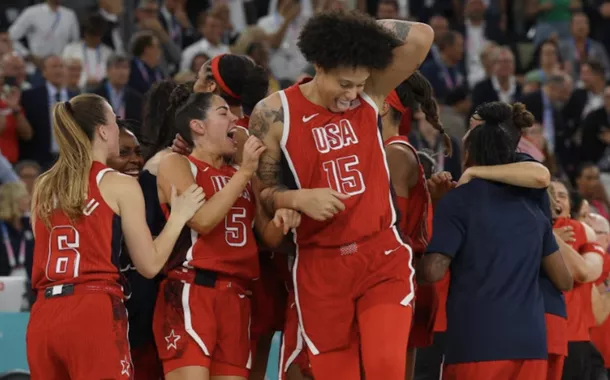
(346, 39)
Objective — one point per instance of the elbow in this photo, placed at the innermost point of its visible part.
(543, 179)
(426, 274)
(422, 37)
(566, 284)
(148, 272)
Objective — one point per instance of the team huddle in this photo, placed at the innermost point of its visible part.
(303, 211)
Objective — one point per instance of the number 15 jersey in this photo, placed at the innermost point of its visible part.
(83, 251)
(343, 151)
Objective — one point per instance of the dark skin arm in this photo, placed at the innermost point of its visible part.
(432, 268)
(403, 168)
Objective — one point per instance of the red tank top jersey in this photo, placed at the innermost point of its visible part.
(415, 224)
(83, 251)
(230, 248)
(578, 300)
(343, 151)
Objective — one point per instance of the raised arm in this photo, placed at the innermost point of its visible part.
(529, 174)
(417, 39)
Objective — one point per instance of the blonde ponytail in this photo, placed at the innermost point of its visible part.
(65, 186)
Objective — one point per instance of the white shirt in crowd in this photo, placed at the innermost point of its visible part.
(201, 46)
(475, 42)
(47, 32)
(93, 60)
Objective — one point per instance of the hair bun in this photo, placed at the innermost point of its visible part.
(522, 118)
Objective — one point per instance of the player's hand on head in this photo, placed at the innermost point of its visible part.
(286, 219)
(180, 146)
(565, 233)
(321, 204)
(188, 203)
(253, 148)
(439, 184)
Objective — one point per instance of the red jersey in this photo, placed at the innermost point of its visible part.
(83, 251)
(230, 248)
(578, 300)
(415, 223)
(343, 151)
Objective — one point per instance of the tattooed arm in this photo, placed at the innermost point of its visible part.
(432, 268)
(417, 39)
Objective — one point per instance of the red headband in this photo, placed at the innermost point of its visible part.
(216, 74)
(395, 102)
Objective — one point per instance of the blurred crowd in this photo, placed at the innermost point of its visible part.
(551, 55)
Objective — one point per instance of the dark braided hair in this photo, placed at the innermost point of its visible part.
(157, 101)
(489, 144)
(515, 116)
(417, 91)
(167, 130)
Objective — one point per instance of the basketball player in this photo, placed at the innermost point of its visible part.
(80, 207)
(129, 161)
(495, 311)
(202, 314)
(411, 197)
(586, 268)
(353, 275)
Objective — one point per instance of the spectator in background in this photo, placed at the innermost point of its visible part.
(147, 16)
(28, 171)
(220, 11)
(110, 11)
(74, 71)
(589, 186)
(284, 23)
(7, 174)
(6, 45)
(176, 23)
(15, 232)
(126, 102)
(37, 104)
(48, 28)
(91, 52)
(477, 32)
(588, 98)
(14, 66)
(596, 135)
(552, 18)
(198, 61)
(210, 44)
(502, 85)
(145, 71)
(426, 137)
(446, 73)
(13, 124)
(580, 47)
(454, 113)
(440, 25)
(546, 62)
(387, 9)
(546, 105)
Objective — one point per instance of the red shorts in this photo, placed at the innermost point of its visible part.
(555, 367)
(201, 326)
(424, 316)
(556, 334)
(79, 336)
(293, 350)
(268, 300)
(333, 285)
(146, 363)
(497, 370)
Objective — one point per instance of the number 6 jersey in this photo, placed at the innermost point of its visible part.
(230, 248)
(343, 151)
(86, 250)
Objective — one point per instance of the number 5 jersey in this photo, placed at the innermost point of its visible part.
(85, 250)
(230, 248)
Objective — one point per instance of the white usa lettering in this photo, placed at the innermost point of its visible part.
(334, 136)
(221, 181)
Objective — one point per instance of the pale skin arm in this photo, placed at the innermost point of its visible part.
(175, 169)
(523, 174)
(126, 199)
(417, 39)
(586, 267)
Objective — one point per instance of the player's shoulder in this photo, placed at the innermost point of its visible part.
(268, 115)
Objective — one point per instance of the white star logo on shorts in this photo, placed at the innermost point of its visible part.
(171, 340)
(125, 364)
